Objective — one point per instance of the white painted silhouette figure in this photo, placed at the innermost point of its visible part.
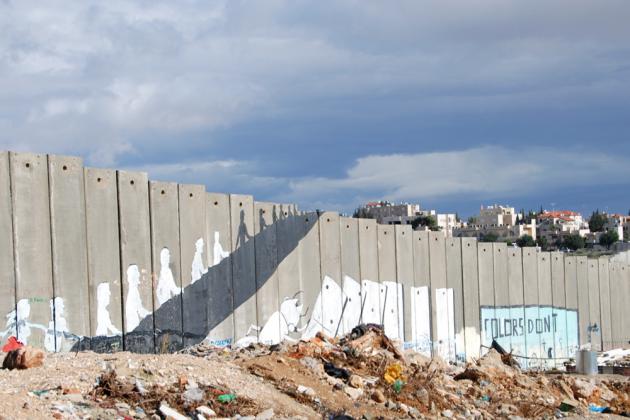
(104, 326)
(57, 326)
(279, 325)
(134, 311)
(198, 268)
(166, 287)
(17, 324)
(219, 253)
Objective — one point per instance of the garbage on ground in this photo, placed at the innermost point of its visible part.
(12, 344)
(23, 358)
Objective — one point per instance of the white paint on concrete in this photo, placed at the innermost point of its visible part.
(421, 320)
(370, 302)
(166, 288)
(218, 253)
(445, 323)
(104, 325)
(134, 310)
(198, 269)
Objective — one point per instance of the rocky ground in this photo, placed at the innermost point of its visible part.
(360, 376)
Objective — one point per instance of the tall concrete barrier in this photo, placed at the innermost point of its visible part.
(441, 297)
(517, 318)
(390, 318)
(559, 325)
(166, 255)
(582, 291)
(604, 302)
(94, 258)
(454, 282)
(267, 298)
(368, 260)
(470, 286)
(351, 273)
(595, 336)
(489, 325)
(104, 269)
(32, 249)
(405, 276)
(69, 252)
(243, 265)
(135, 258)
(7, 274)
(308, 296)
(530, 297)
(504, 331)
(193, 256)
(220, 295)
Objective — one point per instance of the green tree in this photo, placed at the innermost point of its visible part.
(472, 220)
(574, 242)
(608, 238)
(597, 221)
(525, 240)
(542, 242)
(489, 237)
(428, 221)
(362, 213)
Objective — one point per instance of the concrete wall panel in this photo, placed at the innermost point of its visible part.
(517, 308)
(243, 264)
(604, 302)
(593, 304)
(368, 259)
(69, 251)
(582, 289)
(310, 279)
(135, 251)
(351, 273)
(266, 216)
(167, 277)
(437, 273)
(571, 295)
(103, 248)
(503, 334)
(405, 276)
(332, 294)
(220, 320)
(470, 287)
(194, 245)
(289, 230)
(486, 292)
(530, 294)
(617, 304)
(7, 274)
(454, 281)
(545, 301)
(559, 306)
(389, 284)
(32, 247)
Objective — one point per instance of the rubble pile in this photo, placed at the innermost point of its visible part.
(365, 374)
(616, 357)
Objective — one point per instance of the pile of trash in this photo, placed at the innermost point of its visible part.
(365, 375)
(615, 357)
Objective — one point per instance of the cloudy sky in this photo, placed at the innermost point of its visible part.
(330, 104)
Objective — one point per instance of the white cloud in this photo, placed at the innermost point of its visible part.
(484, 172)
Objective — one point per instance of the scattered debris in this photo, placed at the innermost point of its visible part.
(23, 358)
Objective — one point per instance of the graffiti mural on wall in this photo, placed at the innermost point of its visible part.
(134, 310)
(538, 332)
(166, 287)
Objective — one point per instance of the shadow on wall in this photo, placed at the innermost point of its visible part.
(213, 298)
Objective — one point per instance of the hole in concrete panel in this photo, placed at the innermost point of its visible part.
(307, 220)
(263, 211)
(328, 220)
(216, 203)
(65, 167)
(190, 195)
(240, 204)
(436, 239)
(98, 179)
(347, 226)
(132, 182)
(28, 165)
(327, 286)
(162, 192)
(468, 245)
(514, 254)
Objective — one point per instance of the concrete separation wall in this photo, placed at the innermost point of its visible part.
(108, 260)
